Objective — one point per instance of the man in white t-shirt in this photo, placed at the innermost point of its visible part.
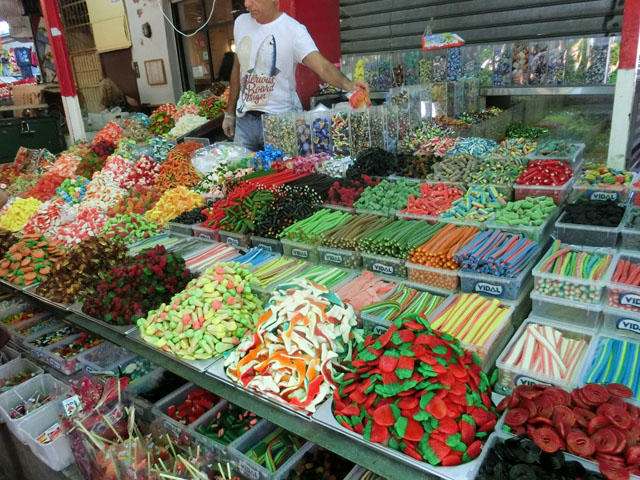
(269, 46)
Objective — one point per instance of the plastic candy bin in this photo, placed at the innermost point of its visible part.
(572, 288)
(395, 267)
(206, 233)
(337, 257)
(305, 251)
(41, 385)
(57, 454)
(236, 240)
(589, 235)
(510, 376)
(267, 244)
(251, 469)
(496, 287)
(431, 276)
(576, 313)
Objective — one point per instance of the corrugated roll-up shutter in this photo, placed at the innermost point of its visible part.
(383, 25)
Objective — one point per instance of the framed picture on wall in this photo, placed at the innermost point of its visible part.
(155, 72)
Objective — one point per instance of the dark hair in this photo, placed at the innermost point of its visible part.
(227, 65)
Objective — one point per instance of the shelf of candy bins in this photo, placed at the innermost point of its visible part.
(510, 376)
(386, 466)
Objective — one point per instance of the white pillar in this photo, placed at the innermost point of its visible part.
(621, 118)
(74, 118)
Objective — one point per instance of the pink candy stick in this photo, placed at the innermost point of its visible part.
(544, 343)
(529, 350)
(516, 352)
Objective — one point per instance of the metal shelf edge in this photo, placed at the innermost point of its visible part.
(334, 441)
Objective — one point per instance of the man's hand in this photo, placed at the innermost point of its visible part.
(356, 84)
(229, 125)
(330, 74)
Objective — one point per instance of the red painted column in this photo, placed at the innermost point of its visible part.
(630, 31)
(58, 47)
(624, 99)
(322, 19)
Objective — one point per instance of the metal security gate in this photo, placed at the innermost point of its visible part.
(384, 25)
(87, 73)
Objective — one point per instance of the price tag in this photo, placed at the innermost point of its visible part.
(71, 405)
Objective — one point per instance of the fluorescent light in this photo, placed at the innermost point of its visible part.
(4, 28)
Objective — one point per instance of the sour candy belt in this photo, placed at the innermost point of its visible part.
(471, 318)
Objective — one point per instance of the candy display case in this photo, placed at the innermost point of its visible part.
(510, 375)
